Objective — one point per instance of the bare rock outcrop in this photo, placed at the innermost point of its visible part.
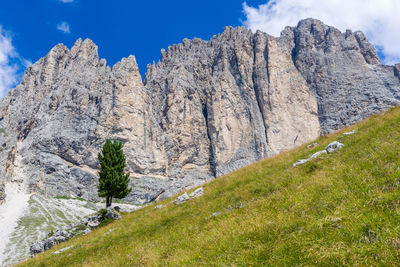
(205, 109)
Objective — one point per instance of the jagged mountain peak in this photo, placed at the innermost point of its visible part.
(205, 109)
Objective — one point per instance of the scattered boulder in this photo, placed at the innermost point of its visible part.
(112, 214)
(315, 155)
(82, 228)
(185, 197)
(36, 247)
(312, 145)
(329, 149)
(160, 206)
(93, 221)
(332, 147)
(181, 199)
(61, 250)
(56, 237)
(350, 133)
(117, 208)
(196, 193)
(2, 194)
(86, 231)
(300, 162)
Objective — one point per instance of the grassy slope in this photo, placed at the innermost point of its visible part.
(343, 208)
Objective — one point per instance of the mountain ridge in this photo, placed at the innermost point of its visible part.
(204, 109)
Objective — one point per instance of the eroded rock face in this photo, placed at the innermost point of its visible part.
(205, 109)
(2, 194)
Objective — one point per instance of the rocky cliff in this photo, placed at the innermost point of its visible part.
(205, 109)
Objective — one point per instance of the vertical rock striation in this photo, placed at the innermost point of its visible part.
(205, 109)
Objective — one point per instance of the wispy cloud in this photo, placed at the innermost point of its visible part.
(11, 63)
(64, 27)
(378, 19)
(67, 1)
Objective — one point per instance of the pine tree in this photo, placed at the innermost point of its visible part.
(113, 182)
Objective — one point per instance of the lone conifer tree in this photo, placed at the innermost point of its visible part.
(113, 181)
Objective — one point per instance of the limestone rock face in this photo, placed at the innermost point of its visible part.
(344, 73)
(205, 109)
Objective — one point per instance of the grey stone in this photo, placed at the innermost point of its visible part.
(313, 156)
(196, 193)
(350, 133)
(94, 221)
(117, 208)
(61, 250)
(36, 248)
(300, 162)
(332, 147)
(86, 231)
(312, 145)
(2, 194)
(317, 154)
(82, 228)
(205, 109)
(54, 240)
(181, 199)
(112, 214)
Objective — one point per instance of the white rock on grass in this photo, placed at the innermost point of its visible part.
(198, 192)
(329, 149)
(300, 162)
(312, 145)
(350, 133)
(86, 231)
(181, 199)
(315, 155)
(36, 247)
(332, 147)
(61, 250)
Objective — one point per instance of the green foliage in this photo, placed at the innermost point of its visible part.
(105, 221)
(51, 233)
(113, 181)
(103, 213)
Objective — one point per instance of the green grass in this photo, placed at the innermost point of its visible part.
(340, 209)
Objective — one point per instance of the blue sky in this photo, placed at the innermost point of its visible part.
(118, 27)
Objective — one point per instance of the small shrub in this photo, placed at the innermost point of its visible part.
(103, 213)
(104, 222)
(51, 233)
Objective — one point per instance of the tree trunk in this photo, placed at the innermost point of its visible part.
(108, 201)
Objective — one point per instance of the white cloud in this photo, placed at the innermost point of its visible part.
(67, 1)
(11, 64)
(378, 19)
(64, 27)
